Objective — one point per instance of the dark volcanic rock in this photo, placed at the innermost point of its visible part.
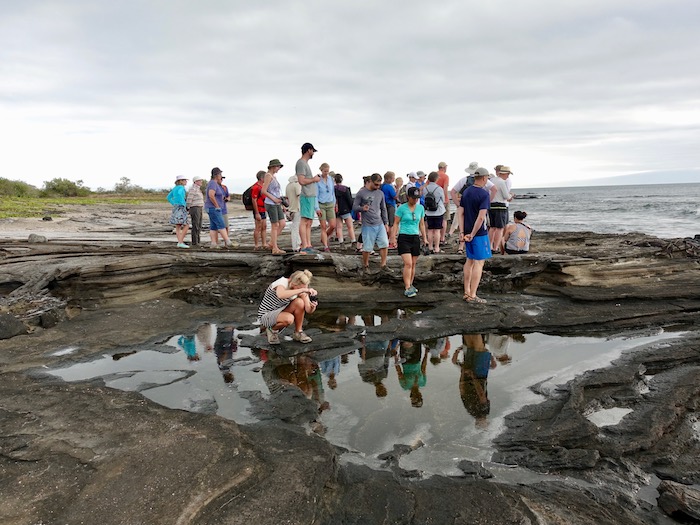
(680, 502)
(10, 326)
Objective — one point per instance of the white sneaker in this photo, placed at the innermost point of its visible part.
(301, 337)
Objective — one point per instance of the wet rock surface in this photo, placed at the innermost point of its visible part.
(83, 453)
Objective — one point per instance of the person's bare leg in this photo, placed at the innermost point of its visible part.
(365, 259)
(414, 262)
(383, 252)
(351, 229)
(477, 269)
(407, 272)
(324, 235)
(467, 270)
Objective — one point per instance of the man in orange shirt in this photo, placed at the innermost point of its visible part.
(444, 182)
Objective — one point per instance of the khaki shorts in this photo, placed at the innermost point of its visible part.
(327, 211)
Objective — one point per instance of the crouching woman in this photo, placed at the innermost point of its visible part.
(287, 301)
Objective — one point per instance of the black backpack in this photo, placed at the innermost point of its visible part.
(247, 198)
(431, 203)
(470, 182)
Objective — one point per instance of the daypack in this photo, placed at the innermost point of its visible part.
(247, 198)
(431, 203)
(470, 182)
(402, 197)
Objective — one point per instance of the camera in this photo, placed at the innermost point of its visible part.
(313, 298)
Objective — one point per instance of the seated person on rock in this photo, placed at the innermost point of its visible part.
(287, 301)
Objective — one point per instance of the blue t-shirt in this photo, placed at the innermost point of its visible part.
(474, 199)
(219, 195)
(389, 194)
(410, 219)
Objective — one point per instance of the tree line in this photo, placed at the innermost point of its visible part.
(61, 187)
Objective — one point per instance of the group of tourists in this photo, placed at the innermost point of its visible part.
(411, 218)
(193, 202)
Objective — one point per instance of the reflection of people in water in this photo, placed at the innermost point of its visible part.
(331, 368)
(300, 371)
(437, 349)
(475, 366)
(205, 336)
(412, 371)
(374, 364)
(224, 347)
(186, 342)
(498, 346)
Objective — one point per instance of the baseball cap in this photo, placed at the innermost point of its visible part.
(442, 165)
(215, 172)
(196, 178)
(413, 192)
(481, 172)
(412, 175)
(420, 174)
(307, 146)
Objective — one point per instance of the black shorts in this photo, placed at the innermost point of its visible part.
(263, 215)
(408, 244)
(498, 215)
(434, 223)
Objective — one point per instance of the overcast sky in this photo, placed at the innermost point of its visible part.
(559, 91)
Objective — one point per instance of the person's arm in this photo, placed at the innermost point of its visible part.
(384, 214)
(255, 195)
(421, 226)
(357, 203)
(304, 181)
(395, 230)
(480, 219)
(212, 197)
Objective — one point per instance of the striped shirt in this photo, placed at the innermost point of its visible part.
(270, 302)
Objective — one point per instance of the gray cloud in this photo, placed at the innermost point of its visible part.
(603, 80)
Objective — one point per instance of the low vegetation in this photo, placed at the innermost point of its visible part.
(19, 199)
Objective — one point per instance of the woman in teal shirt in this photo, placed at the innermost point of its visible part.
(410, 225)
(177, 197)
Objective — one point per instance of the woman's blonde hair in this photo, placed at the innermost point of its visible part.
(323, 166)
(300, 277)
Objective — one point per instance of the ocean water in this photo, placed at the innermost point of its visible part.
(666, 211)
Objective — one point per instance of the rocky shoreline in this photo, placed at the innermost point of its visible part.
(83, 453)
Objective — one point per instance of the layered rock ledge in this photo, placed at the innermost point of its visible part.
(83, 453)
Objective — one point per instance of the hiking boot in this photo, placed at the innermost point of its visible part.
(273, 336)
(301, 337)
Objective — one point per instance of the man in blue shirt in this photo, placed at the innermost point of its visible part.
(390, 200)
(475, 204)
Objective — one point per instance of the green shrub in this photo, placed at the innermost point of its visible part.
(64, 188)
(16, 188)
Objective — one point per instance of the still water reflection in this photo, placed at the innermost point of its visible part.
(449, 393)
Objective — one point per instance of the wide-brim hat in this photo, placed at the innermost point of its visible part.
(505, 169)
(473, 166)
(420, 174)
(412, 175)
(181, 177)
(197, 178)
(273, 163)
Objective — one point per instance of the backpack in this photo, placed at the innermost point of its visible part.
(402, 197)
(470, 182)
(431, 203)
(247, 198)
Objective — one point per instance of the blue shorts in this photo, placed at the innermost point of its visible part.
(307, 207)
(216, 220)
(372, 235)
(479, 248)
